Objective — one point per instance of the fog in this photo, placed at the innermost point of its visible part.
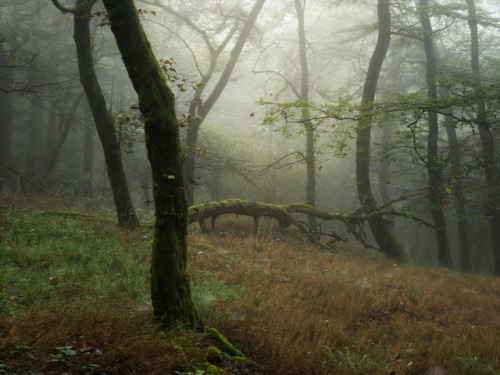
(242, 112)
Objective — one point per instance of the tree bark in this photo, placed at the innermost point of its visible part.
(491, 173)
(170, 291)
(5, 128)
(457, 187)
(34, 135)
(88, 156)
(103, 120)
(68, 121)
(310, 158)
(383, 169)
(379, 227)
(436, 191)
(52, 133)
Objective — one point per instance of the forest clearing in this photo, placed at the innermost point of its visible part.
(74, 299)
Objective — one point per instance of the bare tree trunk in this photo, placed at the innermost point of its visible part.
(491, 173)
(457, 188)
(308, 126)
(67, 121)
(6, 179)
(52, 125)
(170, 291)
(88, 156)
(190, 150)
(103, 120)
(5, 132)
(383, 169)
(34, 133)
(436, 191)
(379, 227)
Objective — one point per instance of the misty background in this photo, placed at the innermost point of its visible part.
(251, 140)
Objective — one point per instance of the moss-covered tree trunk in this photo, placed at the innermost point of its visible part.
(385, 240)
(170, 291)
(436, 191)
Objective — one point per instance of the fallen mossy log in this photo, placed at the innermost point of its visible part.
(282, 213)
(201, 212)
(353, 221)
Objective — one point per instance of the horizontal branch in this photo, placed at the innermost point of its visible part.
(283, 213)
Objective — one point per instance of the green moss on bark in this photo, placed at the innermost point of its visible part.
(170, 291)
(222, 343)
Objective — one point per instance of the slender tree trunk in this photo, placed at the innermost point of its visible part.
(385, 240)
(190, 151)
(54, 154)
(34, 132)
(436, 192)
(52, 125)
(170, 291)
(306, 121)
(88, 155)
(457, 188)
(491, 173)
(383, 169)
(68, 121)
(103, 120)
(5, 131)
(6, 178)
(203, 107)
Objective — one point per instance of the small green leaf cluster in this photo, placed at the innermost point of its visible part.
(65, 355)
(472, 366)
(130, 128)
(183, 83)
(348, 359)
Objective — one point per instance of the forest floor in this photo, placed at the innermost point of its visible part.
(74, 299)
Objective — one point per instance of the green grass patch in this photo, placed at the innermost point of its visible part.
(48, 259)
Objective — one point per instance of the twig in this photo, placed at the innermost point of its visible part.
(22, 177)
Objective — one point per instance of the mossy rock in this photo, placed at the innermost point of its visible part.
(222, 343)
(214, 355)
(211, 353)
(212, 369)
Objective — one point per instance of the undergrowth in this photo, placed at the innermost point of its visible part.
(74, 298)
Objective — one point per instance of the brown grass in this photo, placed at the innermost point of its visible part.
(302, 302)
(292, 308)
(108, 336)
